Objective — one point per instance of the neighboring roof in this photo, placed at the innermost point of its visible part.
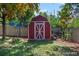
(39, 18)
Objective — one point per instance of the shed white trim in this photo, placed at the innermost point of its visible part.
(39, 32)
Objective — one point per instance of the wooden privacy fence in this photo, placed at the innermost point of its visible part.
(14, 31)
(75, 35)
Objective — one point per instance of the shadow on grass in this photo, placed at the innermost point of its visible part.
(66, 51)
(20, 48)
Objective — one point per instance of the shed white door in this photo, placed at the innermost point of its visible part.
(39, 31)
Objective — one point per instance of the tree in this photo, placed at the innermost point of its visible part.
(75, 11)
(75, 23)
(15, 10)
(44, 14)
(65, 18)
(51, 18)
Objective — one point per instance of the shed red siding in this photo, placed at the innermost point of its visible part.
(31, 30)
(47, 30)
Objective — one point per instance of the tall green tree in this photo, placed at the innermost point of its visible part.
(65, 15)
(65, 18)
(75, 11)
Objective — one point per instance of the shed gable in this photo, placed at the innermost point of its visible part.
(39, 18)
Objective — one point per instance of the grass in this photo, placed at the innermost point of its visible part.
(17, 47)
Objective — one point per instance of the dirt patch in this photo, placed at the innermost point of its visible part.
(73, 45)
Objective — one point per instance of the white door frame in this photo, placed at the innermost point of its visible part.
(35, 23)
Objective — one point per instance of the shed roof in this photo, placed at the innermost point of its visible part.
(39, 18)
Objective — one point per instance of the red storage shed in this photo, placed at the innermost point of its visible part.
(39, 29)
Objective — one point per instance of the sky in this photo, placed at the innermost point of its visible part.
(50, 8)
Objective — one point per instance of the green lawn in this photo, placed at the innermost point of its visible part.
(33, 48)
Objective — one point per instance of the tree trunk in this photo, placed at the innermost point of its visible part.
(3, 27)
